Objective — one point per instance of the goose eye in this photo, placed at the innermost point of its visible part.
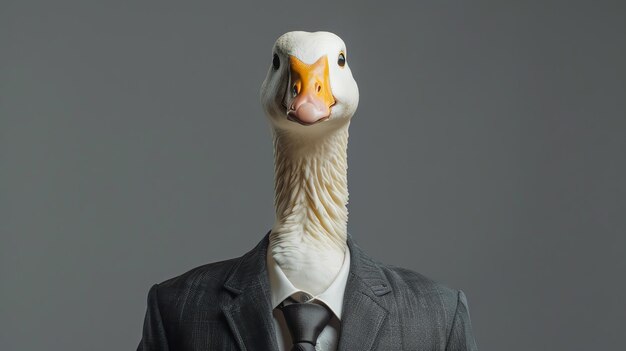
(341, 61)
(275, 62)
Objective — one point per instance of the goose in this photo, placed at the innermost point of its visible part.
(309, 97)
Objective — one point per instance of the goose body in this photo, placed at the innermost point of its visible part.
(309, 97)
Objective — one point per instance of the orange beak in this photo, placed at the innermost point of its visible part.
(309, 96)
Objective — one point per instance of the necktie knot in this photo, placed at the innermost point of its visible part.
(305, 322)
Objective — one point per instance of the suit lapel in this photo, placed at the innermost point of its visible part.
(249, 314)
(250, 319)
(363, 314)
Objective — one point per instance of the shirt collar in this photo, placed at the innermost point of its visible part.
(281, 288)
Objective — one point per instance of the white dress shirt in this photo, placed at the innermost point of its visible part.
(281, 288)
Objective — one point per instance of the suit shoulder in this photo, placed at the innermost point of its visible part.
(198, 289)
(209, 274)
(423, 287)
(416, 280)
(446, 308)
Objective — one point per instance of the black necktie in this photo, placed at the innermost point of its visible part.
(305, 322)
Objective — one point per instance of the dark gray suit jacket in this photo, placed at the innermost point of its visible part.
(226, 306)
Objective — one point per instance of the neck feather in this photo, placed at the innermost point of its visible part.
(311, 196)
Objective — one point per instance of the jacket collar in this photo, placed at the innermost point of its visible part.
(249, 314)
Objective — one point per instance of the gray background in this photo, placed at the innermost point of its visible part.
(487, 153)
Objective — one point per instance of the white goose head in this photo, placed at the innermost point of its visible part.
(309, 86)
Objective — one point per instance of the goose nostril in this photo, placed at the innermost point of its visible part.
(318, 88)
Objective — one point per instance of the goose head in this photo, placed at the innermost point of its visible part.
(309, 86)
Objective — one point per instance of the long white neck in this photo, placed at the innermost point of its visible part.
(308, 239)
